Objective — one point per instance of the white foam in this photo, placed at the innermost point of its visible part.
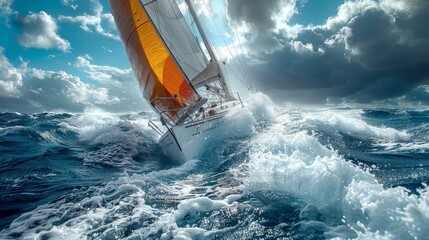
(190, 207)
(351, 122)
(259, 111)
(49, 137)
(115, 141)
(85, 124)
(416, 147)
(200, 204)
(103, 212)
(297, 164)
(14, 130)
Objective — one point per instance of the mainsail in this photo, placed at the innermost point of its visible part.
(166, 56)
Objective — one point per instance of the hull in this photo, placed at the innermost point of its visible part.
(185, 142)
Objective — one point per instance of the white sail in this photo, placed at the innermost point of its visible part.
(184, 46)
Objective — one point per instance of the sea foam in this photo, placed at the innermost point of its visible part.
(349, 200)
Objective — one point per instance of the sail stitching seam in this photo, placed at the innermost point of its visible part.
(137, 27)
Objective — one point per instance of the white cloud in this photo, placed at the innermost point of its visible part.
(63, 89)
(110, 20)
(25, 89)
(104, 74)
(120, 82)
(301, 48)
(40, 31)
(107, 49)
(5, 7)
(86, 21)
(10, 77)
(402, 7)
(81, 92)
(349, 10)
(70, 3)
(94, 22)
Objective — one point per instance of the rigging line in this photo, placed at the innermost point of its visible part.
(242, 80)
(221, 79)
(221, 58)
(164, 29)
(194, 38)
(181, 54)
(244, 71)
(219, 55)
(244, 59)
(235, 73)
(227, 46)
(189, 37)
(211, 38)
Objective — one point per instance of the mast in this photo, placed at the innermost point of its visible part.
(209, 49)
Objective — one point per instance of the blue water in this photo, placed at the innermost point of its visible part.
(275, 173)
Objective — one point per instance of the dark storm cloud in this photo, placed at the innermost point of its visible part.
(257, 14)
(262, 18)
(372, 50)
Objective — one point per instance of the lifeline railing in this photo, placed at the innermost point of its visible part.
(170, 105)
(155, 127)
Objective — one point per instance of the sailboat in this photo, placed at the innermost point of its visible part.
(177, 70)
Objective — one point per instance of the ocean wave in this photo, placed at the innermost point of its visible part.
(352, 124)
(111, 139)
(23, 131)
(410, 147)
(269, 175)
(345, 197)
(114, 210)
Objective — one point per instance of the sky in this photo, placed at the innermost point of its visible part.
(66, 55)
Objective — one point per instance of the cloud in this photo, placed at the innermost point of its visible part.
(6, 7)
(60, 90)
(26, 89)
(368, 51)
(120, 82)
(70, 3)
(94, 22)
(103, 74)
(40, 31)
(6, 10)
(10, 77)
(261, 21)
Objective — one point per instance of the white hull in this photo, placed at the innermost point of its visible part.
(185, 142)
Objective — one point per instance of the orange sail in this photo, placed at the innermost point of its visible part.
(161, 80)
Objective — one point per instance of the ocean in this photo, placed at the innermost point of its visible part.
(276, 172)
